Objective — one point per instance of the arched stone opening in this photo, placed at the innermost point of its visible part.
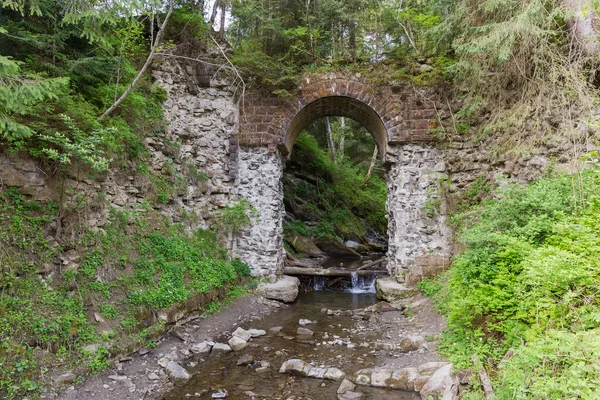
(337, 106)
(399, 120)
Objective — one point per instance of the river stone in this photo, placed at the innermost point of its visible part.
(221, 348)
(379, 377)
(403, 379)
(304, 322)
(350, 395)
(284, 289)
(177, 373)
(389, 289)
(304, 332)
(410, 343)
(295, 366)
(242, 334)
(246, 359)
(363, 377)
(237, 344)
(430, 367)
(256, 332)
(318, 373)
(334, 374)
(442, 384)
(201, 348)
(345, 386)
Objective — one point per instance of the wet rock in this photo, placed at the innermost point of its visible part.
(261, 370)
(334, 374)
(242, 334)
(237, 344)
(345, 386)
(265, 364)
(221, 348)
(389, 289)
(256, 332)
(363, 377)
(295, 367)
(284, 289)
(304, 322)
(201, 348)
(443, 383)
(403, 379)
(177, 373)
(430, 367)
(410, 343)
(276, 329)
(304, 332)
(220, 394)
(246, 359)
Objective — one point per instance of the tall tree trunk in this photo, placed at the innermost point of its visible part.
(373, 159)
(223, 10)
(213, 15)
(330, 140)
(352, 44)
(342, 144)
(582, 23)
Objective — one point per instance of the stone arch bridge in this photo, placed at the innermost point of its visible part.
(400, 118)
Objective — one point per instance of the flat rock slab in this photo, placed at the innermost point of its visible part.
(390, 290)
(285, 289)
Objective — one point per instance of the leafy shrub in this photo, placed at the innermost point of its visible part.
(528, 280)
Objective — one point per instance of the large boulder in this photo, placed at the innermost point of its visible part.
(177, 373)
(336, 248)
(285, 289)
(443, 384)
(304, 246)
(390, 290)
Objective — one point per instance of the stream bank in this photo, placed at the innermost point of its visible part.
(349, 332)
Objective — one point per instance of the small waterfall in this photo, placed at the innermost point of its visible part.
(361, 284)
(319, 283)
(354, 279)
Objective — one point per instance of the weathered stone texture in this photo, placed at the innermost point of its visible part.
(416, 210)
(201, 121)
(259, 181)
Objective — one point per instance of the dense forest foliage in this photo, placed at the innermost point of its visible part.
(75, 92)
(334, 185)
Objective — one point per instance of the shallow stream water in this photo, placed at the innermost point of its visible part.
(220, 372)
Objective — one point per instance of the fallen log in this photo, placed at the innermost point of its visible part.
(327, 272)
(485, 379)
(371, 264)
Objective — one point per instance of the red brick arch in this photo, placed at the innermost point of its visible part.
(392, 116)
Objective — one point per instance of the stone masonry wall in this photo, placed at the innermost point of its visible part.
(417, 230)
(201, 121)
(259, 180)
